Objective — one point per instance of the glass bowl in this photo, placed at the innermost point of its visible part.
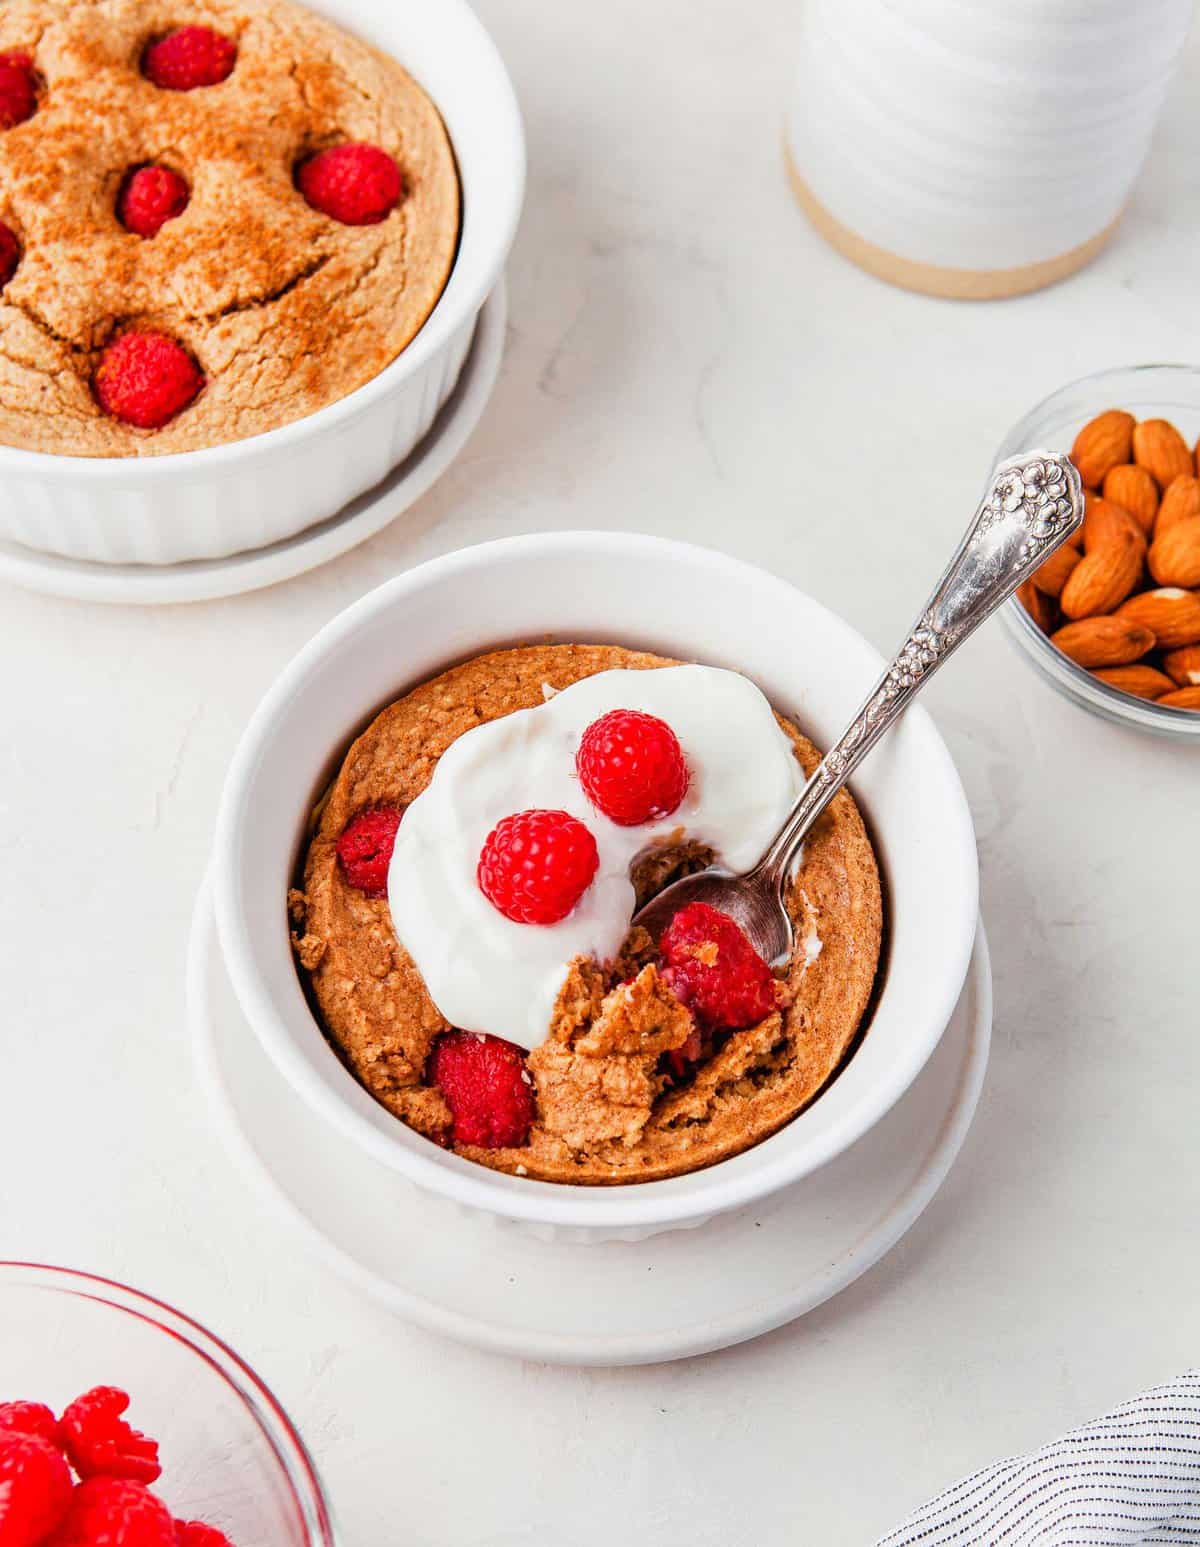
(230, 1455)
(1149, 391)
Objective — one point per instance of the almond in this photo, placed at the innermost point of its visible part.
(1103, 522)
(1182, 698)
(1039, 606)
(1103, 578)
(1133, 488)
(1103, 641)
(1183, 666)
(1174, 556)
(1102, 444)
(1171, 614)
(1051, 576)
(1140, 681)
(1181, 502)
(1161, 450)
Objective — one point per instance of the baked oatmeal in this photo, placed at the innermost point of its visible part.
(565, 1045)
(214, 219)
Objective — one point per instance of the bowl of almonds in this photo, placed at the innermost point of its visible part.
(1113, 619)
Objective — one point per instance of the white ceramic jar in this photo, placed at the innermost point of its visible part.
(972, 149)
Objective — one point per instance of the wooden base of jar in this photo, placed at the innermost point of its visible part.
(932, 278)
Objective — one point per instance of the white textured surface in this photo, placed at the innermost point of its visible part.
(484, 971)
(685, 356)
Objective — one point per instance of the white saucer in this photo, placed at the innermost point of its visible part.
(202, 580)
(685, 1293)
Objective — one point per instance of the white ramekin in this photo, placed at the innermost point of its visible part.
(684, 601)
(227, 499)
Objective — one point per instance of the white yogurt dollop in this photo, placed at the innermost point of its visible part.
(486, 973)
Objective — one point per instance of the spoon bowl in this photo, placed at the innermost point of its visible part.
(757, 909)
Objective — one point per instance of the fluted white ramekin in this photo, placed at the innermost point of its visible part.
(227, 499)
(587, 586)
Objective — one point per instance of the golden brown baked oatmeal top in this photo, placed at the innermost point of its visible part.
(284, 308)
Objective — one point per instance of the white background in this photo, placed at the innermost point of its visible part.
(684, 357)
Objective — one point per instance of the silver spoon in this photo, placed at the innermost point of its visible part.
(1034, 503)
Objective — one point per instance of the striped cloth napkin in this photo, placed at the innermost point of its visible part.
(1133, 1476)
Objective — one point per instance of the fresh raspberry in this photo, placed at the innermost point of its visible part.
(101, 1444)
(364, 849)
(631, 767)
(145, 379)
(189, 57)
(194, 1533)
(35, 1489)
(487, 1089)
(18, 89)
(714, 970)
(115, 1512)
(149, 197)
(536, 865)
(30, 1418)
(10, 254)
(360, 185)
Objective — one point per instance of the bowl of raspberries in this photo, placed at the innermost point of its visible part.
(125, 1424)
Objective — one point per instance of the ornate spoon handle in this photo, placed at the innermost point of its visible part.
(1034, 503)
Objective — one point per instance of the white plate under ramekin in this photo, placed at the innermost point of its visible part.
(243, 495)
(680, 1293)
(683, 601)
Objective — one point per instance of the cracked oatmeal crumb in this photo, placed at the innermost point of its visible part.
(310, 950)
